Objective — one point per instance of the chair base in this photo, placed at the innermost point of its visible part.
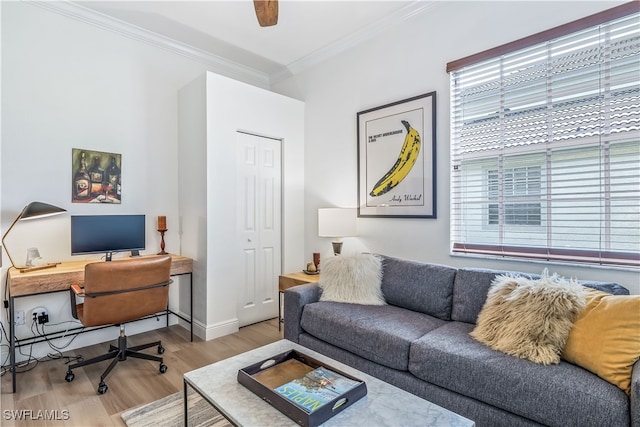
(119, 354)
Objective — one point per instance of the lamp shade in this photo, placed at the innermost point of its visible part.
(336, 222)
(38, 210)
(32, 211)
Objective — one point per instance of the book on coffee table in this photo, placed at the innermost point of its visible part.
(316, 388)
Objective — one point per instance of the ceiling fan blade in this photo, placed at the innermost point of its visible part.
(267, 12)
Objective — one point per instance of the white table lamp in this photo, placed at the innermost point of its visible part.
(336, 223)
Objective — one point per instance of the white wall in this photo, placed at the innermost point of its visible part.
(405, 61)
(212, 110)
(67, 84)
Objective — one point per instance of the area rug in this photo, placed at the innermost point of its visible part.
(169, 412)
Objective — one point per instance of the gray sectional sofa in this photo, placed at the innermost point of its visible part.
(420, 342)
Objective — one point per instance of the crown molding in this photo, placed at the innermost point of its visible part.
(225, 66)
(367, 32)
(219, 64)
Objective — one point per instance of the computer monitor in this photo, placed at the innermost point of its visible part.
(92, 234)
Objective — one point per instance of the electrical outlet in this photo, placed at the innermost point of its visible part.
(19, 317)
(40, 315)
(43, 318)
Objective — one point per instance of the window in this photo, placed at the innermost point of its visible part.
(546, 144)
(518, 189)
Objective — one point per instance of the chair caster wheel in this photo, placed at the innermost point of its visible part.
(163, 368)
(160, 349)
(102, 388)
(69, 377)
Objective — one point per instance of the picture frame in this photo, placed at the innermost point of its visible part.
(96, 177)
(397, 159)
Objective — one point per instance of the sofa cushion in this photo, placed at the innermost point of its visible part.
(450, 358)
(470, 289)
(605, 338)
(354, 279)
(426, 288)
(608, 287)
(382, 334)
(471, 286)
(528, 318)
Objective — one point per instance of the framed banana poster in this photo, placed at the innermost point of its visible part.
(397, 159)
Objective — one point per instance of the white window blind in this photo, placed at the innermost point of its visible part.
(546, 149)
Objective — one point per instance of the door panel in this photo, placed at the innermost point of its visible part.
(249, 289)
(259, 226)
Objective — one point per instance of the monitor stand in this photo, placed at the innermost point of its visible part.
(135, 253)
(108, 256)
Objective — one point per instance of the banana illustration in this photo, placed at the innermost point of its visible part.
(402, 167)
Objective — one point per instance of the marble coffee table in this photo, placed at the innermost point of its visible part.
(384, 404)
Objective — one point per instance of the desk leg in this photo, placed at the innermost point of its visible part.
(190, 307)
(178, 314)
(280, 294)
(12, 342)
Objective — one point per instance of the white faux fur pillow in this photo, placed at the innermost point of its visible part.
(355, 279)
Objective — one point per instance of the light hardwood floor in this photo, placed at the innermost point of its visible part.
(132, 383)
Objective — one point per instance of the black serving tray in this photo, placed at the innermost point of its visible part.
(264, 376)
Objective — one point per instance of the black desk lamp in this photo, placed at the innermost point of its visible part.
(32, 211)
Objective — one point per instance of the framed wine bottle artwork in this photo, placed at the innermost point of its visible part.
(96, 177)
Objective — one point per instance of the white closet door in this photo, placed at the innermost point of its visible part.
(259, 226)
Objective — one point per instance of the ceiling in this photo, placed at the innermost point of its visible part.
(307, 31)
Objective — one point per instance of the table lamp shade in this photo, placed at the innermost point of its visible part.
(32, 211)
(336, 223)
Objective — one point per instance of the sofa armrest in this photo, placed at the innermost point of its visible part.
(294, 301)
(634, 398)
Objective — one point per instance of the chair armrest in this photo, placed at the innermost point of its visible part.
(74, 290)
(294, 301)
(77, 290)
(634, 398)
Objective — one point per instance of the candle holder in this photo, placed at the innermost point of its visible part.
(162, 231)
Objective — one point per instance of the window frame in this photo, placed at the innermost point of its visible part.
(575, 254)
(547, 35)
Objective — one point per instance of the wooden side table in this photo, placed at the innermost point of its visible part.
(290, 280)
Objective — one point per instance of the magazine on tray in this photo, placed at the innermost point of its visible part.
(316, 388)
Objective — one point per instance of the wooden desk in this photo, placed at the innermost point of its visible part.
(59, 279)
(290, 280)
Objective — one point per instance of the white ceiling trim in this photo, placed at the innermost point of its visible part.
(220, 64)
(365, 33)
(97, 19)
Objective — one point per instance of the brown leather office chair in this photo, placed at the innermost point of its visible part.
(117, 292)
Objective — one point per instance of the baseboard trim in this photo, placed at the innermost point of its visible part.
(221, 329)
(209, 332)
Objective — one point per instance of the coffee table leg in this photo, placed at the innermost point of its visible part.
(205, 398)
(184, 399)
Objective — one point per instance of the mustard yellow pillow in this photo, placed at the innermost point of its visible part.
(605, 338)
